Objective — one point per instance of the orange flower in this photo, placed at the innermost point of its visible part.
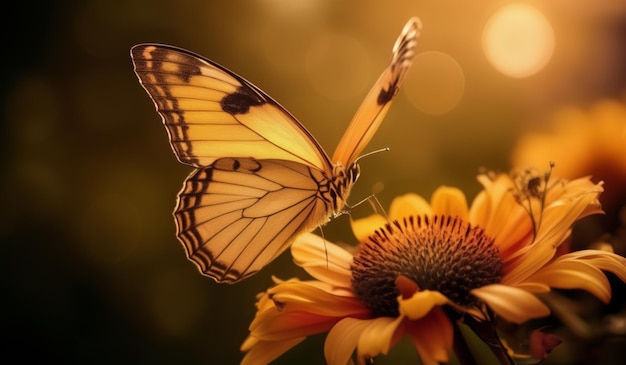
(587, 141)
(292, 310)
(490, 257)
(582, 142)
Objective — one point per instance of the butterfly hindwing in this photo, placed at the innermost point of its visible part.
(210, 112)
(225, 209)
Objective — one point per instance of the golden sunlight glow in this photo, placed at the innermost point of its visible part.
(286, 9)
(518, 40)
(436, 83)
(335, 66)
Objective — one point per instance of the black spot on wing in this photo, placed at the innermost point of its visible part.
(245, 165)
(186, 72)
(386, 95)
(240, 101)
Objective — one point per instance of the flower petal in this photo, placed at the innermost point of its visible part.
(557, 218)
(286, 326)
(583, 270)
(497, 212)
(377, 337)
(418, 305)
(534, 287)
(264, 352)
(512, 304)
(603, 260)
(323, 260)
(294, 309)
(432, 336)
(407, 205)
(449, 201)
(314, 297)
(575, 275)
(364, 227)
(342, 340)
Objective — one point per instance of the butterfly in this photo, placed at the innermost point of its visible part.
(260, 178)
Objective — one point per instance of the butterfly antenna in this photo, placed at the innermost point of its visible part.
(371, 153)
(374, 203)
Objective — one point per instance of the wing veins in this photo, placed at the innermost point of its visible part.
(308, 207)
(327, 160)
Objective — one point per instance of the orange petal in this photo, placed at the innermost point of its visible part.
(342, 340)
(323, 260)
(534, 287)
(583, 270)
(575, 275)
(406, 286)
(449, 201)
(287, 326)
(557, 218)
(418, 305)
(364, 227)
(401, 206)
(294, 309)
(512, 304)
(432, 336)
(495, 210)
(407, 205)
(603, 260)
(377, 337)
(316, 298)
(264, 352)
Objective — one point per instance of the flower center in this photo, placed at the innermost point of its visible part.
(438, 253)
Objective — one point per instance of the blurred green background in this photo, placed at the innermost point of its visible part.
(91, 269)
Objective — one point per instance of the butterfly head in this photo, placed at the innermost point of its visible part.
(340, 185)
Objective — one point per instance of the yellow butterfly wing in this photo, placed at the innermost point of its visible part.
(210, 112)
(239, 214)
(261, 178)
(375, 105)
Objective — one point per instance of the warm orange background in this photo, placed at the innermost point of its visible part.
(91, 269)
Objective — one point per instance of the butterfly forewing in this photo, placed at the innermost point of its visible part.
(261, 179)
(211, 112)
(374, 107)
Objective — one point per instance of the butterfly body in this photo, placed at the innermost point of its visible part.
(260, 177)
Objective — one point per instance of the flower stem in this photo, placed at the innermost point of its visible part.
(461, 349)
(500, 352)
(487, 332)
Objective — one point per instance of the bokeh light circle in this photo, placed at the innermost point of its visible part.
(518, 40)
(436, 83)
